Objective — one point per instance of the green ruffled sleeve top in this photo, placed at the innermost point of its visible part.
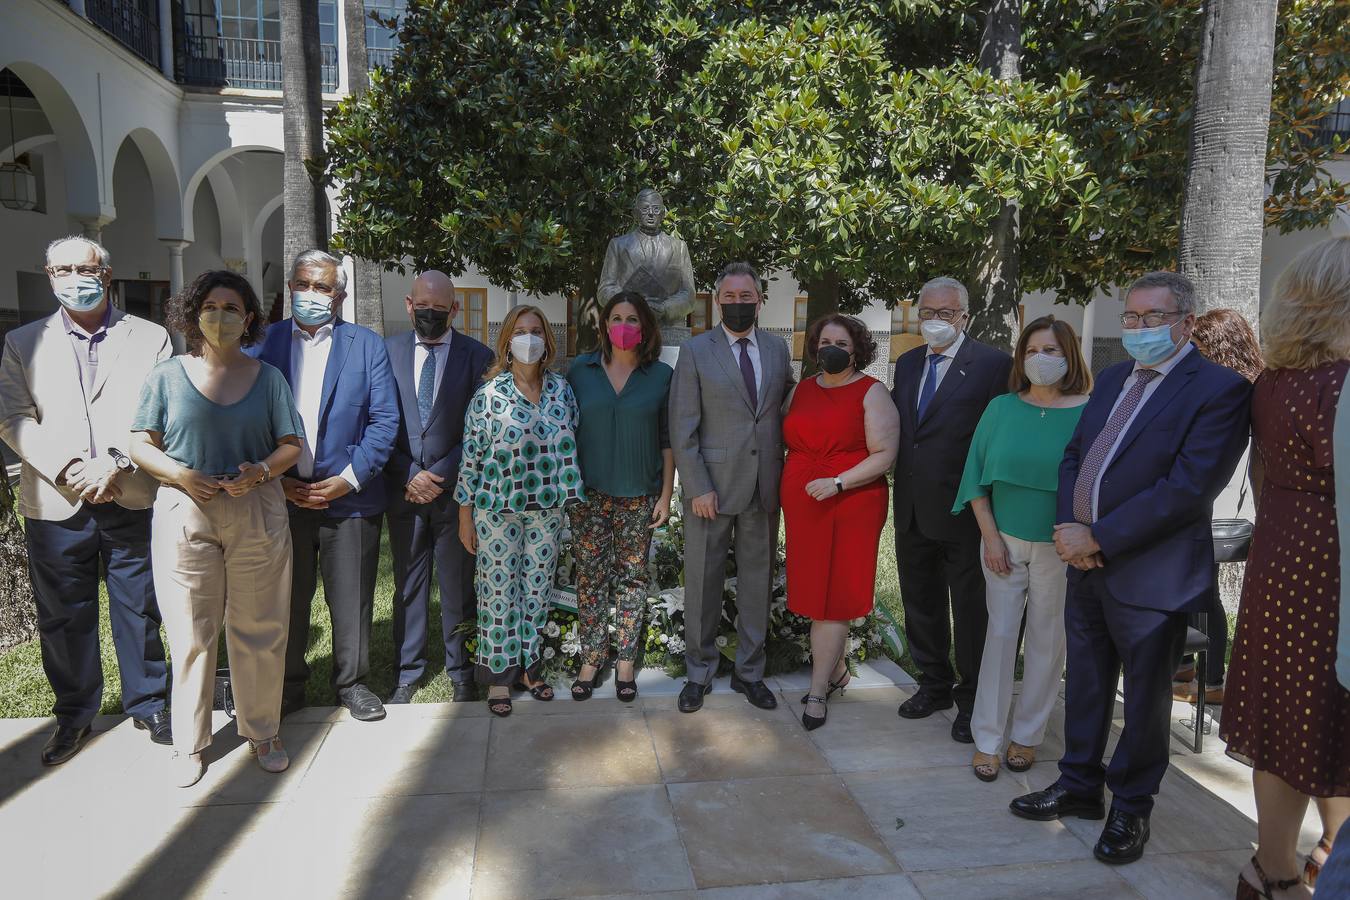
(1014, 461)
(518, 455)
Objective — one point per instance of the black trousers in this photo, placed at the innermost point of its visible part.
(424, 537)
(942, 591)
(63, 560)
(346, 552)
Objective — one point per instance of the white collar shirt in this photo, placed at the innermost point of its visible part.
(949, 357)
(753, 348)
(420, 352)
(309, 363)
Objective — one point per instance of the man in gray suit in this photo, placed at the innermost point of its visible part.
(726, 431)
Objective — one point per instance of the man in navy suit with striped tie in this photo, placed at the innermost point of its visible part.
(1157, 442)
(437, 370)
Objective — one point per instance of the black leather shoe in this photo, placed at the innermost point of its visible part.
(924, 704)
(361, 703)
(691, 696)
(1123, 838)
(64, 743)
(757, 692)
(158, 725)
(463, 692)
(961, 729)
(1055, 802)
(402, 694)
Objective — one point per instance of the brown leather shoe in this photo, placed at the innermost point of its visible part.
(1186, 693)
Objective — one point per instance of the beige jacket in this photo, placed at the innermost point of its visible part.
(42, 410)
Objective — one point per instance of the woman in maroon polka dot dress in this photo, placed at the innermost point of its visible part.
(1284, 713)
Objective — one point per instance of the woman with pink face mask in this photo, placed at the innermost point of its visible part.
(629, 472)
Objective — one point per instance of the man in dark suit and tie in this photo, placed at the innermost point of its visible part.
(437, 370)
(339, 374)
(1155, 445)
(941, 390)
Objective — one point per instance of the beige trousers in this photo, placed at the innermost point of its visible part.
(226, 561)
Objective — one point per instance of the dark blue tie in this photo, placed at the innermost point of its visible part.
(426, 384)
(929, 383)
(748, 371)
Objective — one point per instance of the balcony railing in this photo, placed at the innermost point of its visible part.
(1335, 125)
(379, 57)
(133, 23)
(247, 63)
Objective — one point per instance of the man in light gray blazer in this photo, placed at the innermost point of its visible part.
(726, 431)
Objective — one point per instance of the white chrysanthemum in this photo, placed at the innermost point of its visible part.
(676, 645)
(548, 653)
(665, 639)
(552, 629)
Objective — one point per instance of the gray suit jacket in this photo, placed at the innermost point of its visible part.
(724, 440)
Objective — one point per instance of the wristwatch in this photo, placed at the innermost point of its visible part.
(839, 484)
(123, 461)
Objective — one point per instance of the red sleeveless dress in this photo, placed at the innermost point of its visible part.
(832, 543)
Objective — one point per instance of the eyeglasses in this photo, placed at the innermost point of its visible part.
(63, 271)
(946, 315)
(302, 285)
(1150, 319)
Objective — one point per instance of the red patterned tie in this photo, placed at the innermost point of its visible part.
(1101, 447)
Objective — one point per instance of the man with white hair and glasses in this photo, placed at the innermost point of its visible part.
(69, 385)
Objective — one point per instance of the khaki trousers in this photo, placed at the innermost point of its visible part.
(225, 561)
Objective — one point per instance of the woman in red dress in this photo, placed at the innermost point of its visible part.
(1284, 712)
(842, 432)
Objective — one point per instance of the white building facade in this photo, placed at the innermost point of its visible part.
(156, 126)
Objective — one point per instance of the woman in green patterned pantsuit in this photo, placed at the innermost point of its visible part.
(518, 471)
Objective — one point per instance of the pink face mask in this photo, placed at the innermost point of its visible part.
(625, 335)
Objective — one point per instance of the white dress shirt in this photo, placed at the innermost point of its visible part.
(943, 367)
(309, 362)
(753, 348)
(420, 352)
(1150, 389)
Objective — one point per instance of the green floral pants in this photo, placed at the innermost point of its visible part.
(610, 540)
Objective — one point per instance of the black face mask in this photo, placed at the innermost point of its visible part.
(739, 317)
(833, 359)
(430, 324)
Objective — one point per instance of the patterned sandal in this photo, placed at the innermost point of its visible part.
(1311, 867)
(1247, 891)
(1020, 757)
(985, 766)
(499, 706)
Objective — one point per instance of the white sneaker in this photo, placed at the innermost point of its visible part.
(271, 755)
(188, 768)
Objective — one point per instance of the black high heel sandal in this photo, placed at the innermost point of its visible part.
(626, 691)
(499, 706)
(1246, 891)
(542, 690)
(582, 690)
(811, 723)
(841, 686)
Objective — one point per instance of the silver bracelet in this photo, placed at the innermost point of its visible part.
(267, 471)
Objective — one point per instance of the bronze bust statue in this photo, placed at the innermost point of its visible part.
(656, 265)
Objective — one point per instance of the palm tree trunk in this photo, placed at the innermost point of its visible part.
(1222, 216)
(365, 289)
(305, 221)
(996, 293)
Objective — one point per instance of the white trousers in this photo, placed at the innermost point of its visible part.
(1036, 584)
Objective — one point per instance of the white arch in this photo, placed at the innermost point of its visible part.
(163, 171)
(200, 172)
(26, 145)
(83, 170)
(255, 235)
(233, 230)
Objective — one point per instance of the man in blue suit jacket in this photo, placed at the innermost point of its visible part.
(1156, 443)
(437, 370)
(345, 393)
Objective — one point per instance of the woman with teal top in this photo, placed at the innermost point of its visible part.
(217, 429)
(1010, 482)
(629, 471)
(518, 471)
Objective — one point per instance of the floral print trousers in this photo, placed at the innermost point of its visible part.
(610, 540)
(513, 580)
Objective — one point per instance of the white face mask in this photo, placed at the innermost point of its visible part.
(938, 333)
(528, 348)
(1043, 369)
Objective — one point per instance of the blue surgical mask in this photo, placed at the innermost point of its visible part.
(81, 294)
(1149, 346)
(311, 307)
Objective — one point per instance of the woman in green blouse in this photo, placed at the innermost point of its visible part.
(1010, 482)
(518, 471)
(629, 471)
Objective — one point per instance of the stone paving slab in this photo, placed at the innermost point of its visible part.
(601, 798)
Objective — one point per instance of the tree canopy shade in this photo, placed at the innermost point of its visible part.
(857, 145)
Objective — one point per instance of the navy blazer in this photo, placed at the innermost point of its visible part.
(932, 453)
(434, 445)
(358, 414)
(1156, 498)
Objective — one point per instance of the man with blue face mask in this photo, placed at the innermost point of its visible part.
(69, 386)
(345, 394)
(1156, 443)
